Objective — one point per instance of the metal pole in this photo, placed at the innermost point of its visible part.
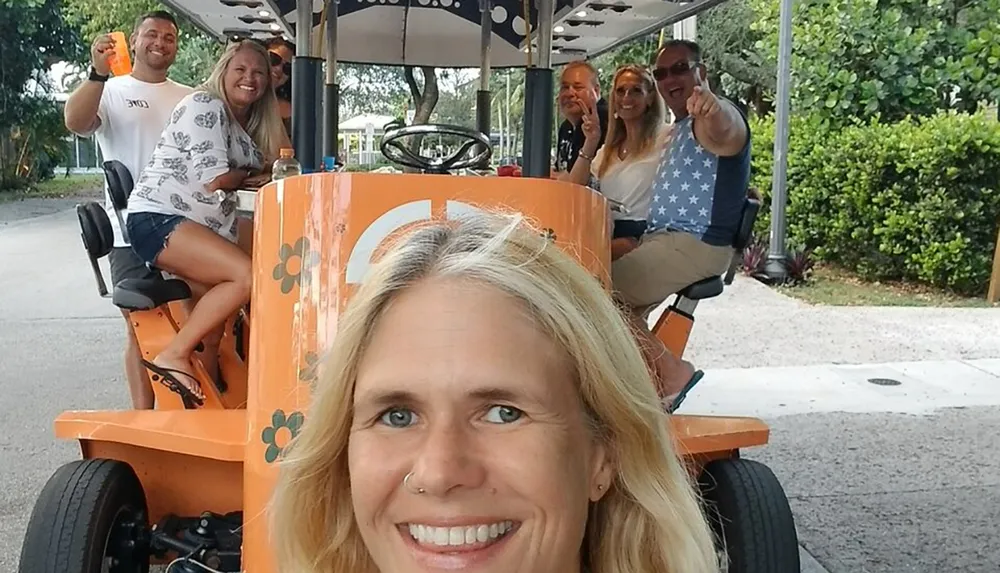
(510, 146)
(307, 91)
(538, 99)
(331, 99)
(303, 27)
(483, 102)
(776, 267)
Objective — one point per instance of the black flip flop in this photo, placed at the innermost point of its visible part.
(164, 376)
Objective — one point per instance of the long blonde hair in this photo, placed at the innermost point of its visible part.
(649, 521)
(653, 118)
(264, 126)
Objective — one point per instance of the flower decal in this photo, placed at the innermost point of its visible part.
(308, 372)
(340, 228)
(296, 263)
(275, 439)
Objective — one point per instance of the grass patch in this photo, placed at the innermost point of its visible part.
(834, 286)
(60, 186)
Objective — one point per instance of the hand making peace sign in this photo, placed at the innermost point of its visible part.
(591, 121)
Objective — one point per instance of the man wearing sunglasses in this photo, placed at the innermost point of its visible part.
(698, 195)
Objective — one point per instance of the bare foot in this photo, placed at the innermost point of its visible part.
(182, 372)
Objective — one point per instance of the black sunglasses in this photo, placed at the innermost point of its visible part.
(277, 61)
(678, 69)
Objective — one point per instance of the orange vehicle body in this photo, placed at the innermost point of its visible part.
(313, 239)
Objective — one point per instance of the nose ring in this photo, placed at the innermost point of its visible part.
(406, 484)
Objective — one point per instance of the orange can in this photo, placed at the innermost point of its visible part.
(121, 62)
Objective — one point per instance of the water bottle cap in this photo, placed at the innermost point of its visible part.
(287, 152)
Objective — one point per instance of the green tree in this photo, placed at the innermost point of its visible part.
(196, 52)
(372, 89)
(859, 58)
(33, 36)
(736, 69)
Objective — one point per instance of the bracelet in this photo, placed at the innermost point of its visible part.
(585, 156)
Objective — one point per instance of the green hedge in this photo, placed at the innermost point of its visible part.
(917, 200)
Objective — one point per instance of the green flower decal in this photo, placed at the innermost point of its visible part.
(549, 234)
(270, 434)
(283, 271)
(308, 372)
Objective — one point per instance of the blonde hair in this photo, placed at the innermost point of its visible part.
(264, 125)
(649, 520)
(653, 118)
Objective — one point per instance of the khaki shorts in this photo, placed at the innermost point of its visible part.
(663, 264)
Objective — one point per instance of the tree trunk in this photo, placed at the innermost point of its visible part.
(424, 100)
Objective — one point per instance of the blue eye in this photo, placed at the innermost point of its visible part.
(398, 417)
(503, 415)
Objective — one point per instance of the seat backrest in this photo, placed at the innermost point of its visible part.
(744, 231)
(95, 229)
(119, 183)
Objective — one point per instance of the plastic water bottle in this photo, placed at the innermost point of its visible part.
(286, 165)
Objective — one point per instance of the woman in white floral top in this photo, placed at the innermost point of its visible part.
(182, 212)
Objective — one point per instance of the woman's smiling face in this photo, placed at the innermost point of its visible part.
(246, 78)
(461, 391)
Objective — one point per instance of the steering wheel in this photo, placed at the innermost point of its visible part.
(395, 151)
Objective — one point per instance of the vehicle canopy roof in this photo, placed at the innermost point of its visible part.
(445, 33)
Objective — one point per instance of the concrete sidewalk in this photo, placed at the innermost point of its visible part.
(897, 387)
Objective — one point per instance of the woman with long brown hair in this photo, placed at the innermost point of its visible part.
(626, 163)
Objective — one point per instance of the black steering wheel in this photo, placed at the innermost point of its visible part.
(395, 151)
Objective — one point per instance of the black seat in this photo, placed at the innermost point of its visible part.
(95, 229)
(713, 286)
(744, 231)
(120, 183)
(147, 294)
(705, 288)
(97, 236)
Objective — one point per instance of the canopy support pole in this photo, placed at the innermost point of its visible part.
(483, 102)
(306, 91)
(776, 266)
(538, 99)
(331, 99)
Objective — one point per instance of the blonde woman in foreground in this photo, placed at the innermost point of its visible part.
(485, 408)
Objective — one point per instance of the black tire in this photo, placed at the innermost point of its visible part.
(87, 509)
(748, 511)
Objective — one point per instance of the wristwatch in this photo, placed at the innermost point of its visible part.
(96, 77)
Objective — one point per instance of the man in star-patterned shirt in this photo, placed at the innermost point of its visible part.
(698, 196)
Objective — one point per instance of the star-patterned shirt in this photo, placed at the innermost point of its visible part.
(698, 192)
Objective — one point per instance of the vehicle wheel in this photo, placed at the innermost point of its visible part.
(749, 513)
(91, 517)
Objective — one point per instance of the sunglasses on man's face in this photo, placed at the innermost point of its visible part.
(678, 69)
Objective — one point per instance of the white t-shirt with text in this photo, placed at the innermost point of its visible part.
(133, 114)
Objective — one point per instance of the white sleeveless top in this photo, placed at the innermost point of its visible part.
(630, 181)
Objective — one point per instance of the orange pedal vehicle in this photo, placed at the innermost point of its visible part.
(188, 486)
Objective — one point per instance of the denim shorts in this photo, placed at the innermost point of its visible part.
(148, 233)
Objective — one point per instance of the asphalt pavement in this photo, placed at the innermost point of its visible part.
(882, 479)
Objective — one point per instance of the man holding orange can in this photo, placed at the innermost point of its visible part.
(127, 114)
